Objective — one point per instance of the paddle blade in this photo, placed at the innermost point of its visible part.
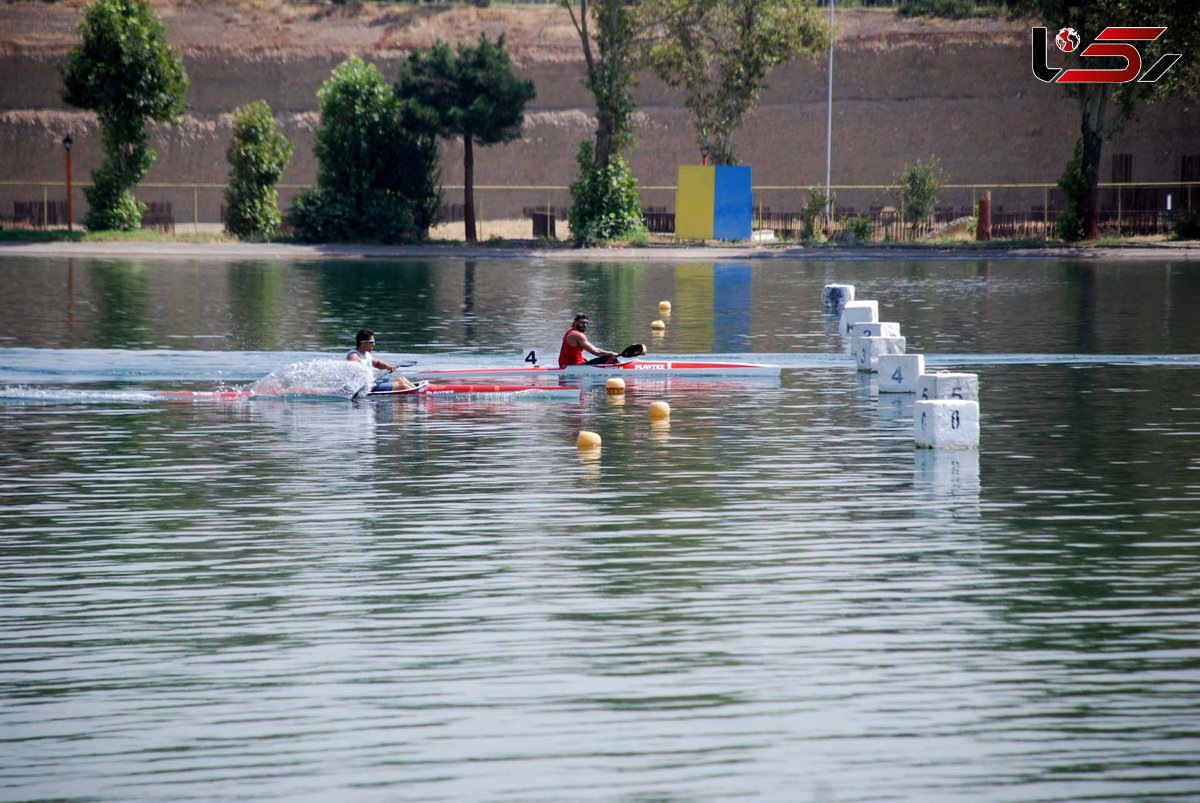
(636, 350)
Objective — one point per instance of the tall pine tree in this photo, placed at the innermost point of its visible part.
(469, 92)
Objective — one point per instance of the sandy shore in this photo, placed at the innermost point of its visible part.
(550, 253)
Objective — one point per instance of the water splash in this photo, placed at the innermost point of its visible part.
(26, 394)
(313, 379)
(317, 378)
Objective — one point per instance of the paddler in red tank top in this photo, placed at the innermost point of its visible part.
(575, 343)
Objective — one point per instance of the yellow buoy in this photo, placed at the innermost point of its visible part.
(615, 386)
(587, 440)
(657, 325)
(659, 411)
(665, 306)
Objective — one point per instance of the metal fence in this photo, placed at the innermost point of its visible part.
(1018, 210)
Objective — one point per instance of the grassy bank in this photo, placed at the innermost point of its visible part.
(151, 236)
(77, 236)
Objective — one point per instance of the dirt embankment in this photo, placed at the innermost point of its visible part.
(903, 90)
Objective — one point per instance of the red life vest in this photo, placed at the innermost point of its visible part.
(568, 354)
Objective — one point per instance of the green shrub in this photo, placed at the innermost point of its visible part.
(860, 226)
(258, 154)
(814, 207)
(111, 205)
(319, 216)
(1187, 224)
(605, 203)
(389, 217)
(916, 190)
(376, 181)
(1074, 186)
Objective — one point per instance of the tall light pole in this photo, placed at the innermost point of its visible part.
(829, 118)
(67, 142)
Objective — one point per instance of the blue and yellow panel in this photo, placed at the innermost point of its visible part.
(713, 203)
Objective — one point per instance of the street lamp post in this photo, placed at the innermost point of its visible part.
(829, 118)
(704, 152)
(67, 142)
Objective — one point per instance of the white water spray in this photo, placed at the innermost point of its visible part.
(317, 378)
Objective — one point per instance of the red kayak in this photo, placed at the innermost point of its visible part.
(421, 389)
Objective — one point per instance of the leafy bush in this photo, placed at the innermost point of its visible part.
(320, 216)
(916, 190)
(1187, 224)
(111, 205)
(376, 181)
(605, 203)
(860, 226)
(814, 207)
(258, 155)
(1074, 186)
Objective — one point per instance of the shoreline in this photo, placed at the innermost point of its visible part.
(1184, 250)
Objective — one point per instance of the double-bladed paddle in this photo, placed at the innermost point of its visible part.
(636, 350)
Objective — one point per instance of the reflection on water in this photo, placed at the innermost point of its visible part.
(1022, 307)
(771, 596)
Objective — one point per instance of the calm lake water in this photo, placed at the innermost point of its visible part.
(775, 598)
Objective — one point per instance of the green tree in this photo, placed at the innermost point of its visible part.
(1074, 188)
(814, 207)
(1105, 108)
(611, 55)
(720, 52)
(604, 197)
(376, 181)
(916, 190)
(124, 71)
(469, 93)
(258, 154)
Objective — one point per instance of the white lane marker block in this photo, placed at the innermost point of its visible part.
(946, 424)
(857, 311)
(899, 373)
(867, 351)
(835, 296)
(874, 329)
(943, 385)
